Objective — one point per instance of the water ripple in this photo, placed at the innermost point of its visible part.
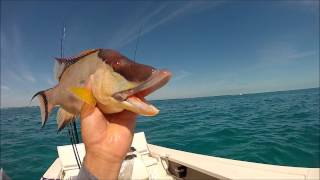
(276, 128)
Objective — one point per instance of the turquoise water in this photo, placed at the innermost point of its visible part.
(279, 128)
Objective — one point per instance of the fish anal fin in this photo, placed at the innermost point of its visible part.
(64, 118)
(84, 94)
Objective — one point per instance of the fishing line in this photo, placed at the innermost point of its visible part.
(136, 48)
(72, 128)
(135, 51)
(73, 146)
(74, 141)
(63, 35)
(75, 132)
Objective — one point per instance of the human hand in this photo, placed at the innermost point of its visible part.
(107, 139)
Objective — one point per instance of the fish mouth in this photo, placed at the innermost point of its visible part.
(135, 96)
(157, 79)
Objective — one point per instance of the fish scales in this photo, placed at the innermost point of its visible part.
(117, 84)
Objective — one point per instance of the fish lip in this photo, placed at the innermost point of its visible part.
(157, 79)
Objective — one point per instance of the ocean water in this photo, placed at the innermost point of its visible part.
(280, 128)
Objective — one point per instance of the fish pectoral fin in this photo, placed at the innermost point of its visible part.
(64, 118)
(84, 94)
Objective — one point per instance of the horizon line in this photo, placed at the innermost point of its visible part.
(196, 96)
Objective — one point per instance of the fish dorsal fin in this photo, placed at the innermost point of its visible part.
(63, 63)
(109, 55)
(74, 59)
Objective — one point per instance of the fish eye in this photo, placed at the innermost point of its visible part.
(82, 82)
(116, 64)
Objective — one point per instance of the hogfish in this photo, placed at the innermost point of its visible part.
(117, 84)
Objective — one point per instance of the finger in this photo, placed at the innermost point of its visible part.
(124, 118)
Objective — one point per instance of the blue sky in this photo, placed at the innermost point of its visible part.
(212, 47)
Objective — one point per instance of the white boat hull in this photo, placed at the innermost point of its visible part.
(156, 162)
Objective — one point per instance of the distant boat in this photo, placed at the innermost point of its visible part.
(240, 94)
(149, 161)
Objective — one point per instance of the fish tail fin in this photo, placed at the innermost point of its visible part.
(64, 118)
(45, 105)
(84, 94)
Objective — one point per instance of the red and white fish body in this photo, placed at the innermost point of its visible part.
(117, 84)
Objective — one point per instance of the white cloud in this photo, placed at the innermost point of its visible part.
(14, 69)
(3, 87)
(302, 54)
(11, 75)
(283, 52)
(29, 78)
(129, 31)
(161, 15)
(182, 74)
(13, 66)
(51, 82)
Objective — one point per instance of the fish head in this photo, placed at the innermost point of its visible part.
(147, 79)
(129, 69)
